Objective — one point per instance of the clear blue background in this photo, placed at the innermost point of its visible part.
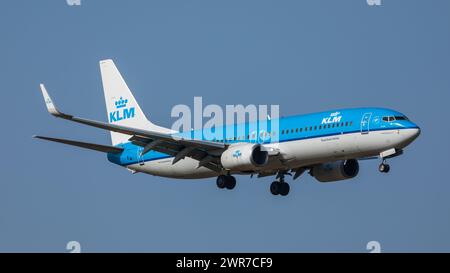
(306, 56)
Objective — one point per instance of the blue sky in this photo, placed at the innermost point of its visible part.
(306, 56)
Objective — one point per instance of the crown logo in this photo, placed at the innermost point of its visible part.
(121, 103)
(237, 154)
(335, 114)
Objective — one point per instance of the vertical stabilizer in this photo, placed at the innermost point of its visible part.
(122, 108)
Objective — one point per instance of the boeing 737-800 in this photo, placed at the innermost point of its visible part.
(327, 144)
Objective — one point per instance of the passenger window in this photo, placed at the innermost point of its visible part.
(296, 130)
(292, 130)
(282, 132)
(346, 124)
(301, 130)
(315, 128)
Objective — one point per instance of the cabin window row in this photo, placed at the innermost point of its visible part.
(248, 137)
(315, 128)
(296, 130)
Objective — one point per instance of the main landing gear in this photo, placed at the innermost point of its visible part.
(226, 181)
(280, 187)
(384, 167)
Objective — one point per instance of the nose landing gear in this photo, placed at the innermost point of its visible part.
(384, 167)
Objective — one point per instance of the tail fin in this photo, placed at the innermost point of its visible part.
(121, 106)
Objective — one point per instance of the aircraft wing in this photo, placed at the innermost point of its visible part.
(206, 152)
(90, 146)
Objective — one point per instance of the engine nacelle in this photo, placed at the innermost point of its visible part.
(335, 171)
(244, 157)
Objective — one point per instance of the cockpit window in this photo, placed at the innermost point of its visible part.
(401, 118)
(391, 118)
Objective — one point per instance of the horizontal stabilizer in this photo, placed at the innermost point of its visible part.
(90, 146)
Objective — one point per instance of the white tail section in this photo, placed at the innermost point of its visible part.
(121, 106)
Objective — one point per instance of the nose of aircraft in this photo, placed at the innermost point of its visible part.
(414, 133)
(411, 132)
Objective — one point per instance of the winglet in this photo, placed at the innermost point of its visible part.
(50, 105)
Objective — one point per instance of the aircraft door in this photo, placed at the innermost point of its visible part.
(365, 123)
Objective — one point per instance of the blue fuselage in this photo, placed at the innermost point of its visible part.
(293, 128)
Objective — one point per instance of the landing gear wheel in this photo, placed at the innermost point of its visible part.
(274, 188)
(226, 181)
(221, 181)
(284, 189)
(231, 182)
(279, 188)
(384, 168)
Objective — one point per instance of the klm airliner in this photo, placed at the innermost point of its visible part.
(327, 144)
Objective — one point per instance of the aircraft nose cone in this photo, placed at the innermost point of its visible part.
(418, 132)
(414, 133)
(409, 135)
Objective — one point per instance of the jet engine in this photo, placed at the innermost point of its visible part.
(244, 157)
(335, 171)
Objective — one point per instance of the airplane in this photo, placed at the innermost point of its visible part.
(329, 145)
